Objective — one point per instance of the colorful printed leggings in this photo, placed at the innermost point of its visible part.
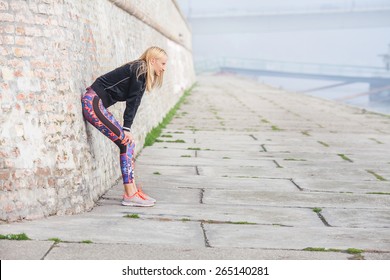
(96, 114)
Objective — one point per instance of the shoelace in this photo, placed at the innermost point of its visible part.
(143, 195)
(139, 193)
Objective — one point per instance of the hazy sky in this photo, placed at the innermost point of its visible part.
(352, 46)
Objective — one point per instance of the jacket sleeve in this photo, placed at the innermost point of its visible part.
(134, 95)
(132, 104)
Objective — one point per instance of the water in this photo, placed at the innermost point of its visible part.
(341, 92)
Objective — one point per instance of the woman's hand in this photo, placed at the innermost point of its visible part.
(128, 139)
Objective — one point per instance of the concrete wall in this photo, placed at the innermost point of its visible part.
(51, 161)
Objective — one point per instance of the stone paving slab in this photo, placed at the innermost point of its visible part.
(188, 213)
(376, 256)
(24, 250)
(261, 159)
(190, 155)
(107, 230)
(198, 161)
(296, 199)
(152, 153)
(165, 183)
(209, 146)
(331, 157)
(165, 193)
(257, 236)
(344, 172)
(339, 186)
(170, 170)
(357, 218)
(76, 251)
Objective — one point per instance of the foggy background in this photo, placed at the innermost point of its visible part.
(337, 32)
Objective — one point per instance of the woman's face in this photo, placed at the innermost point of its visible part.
(159, 65)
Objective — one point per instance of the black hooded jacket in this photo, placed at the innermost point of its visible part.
(122, 84)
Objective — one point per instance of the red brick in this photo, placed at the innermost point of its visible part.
(22, 17)
(51, 182)
(7, 40)
(4, 51)
(4, 86)
(33, 31)
(42, 20)
(20, 96)
(20, 52)
(41, 182)
(15, 152)
(19, 5)
(7, 185)
(9, 207)
(20, 30)
(7, 17)
(42, 171)
(18, 73)
(45, 9)
(3, 5)
(15, 63)
(7, 28)
(4, 174)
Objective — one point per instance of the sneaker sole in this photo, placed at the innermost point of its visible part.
(136, 204)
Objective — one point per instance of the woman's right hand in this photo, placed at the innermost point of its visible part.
(128, 139)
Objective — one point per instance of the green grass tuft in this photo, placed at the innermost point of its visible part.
(131, 216)
(294, 159)
(379, 177)
(55, 239)
(193, 149)
(241, 223)
(383, 193)
(323, 144)
(354, 251)
(344, 157)
(314, 249)
(377, 141)
(275, 128)
(175, 141)
(156, 131)
(87, 241)
(20, 236)
(319, 249)
(317, 210)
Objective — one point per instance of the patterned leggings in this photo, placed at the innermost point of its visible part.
(96, 114)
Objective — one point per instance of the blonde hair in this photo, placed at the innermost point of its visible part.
(152, 80)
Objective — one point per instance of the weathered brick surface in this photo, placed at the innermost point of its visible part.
(51, 161)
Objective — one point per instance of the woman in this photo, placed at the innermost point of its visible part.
(126, 83)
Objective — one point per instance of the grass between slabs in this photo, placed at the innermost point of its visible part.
(152, 136)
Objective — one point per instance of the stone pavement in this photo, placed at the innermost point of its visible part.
(244, 171)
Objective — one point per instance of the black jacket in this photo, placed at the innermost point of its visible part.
(122, 84)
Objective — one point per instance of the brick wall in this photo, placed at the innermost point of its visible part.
(51, 161)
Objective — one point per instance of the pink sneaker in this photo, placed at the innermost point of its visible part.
(136, 200)
(145, 196)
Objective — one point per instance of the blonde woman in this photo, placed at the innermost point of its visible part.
(126, 83)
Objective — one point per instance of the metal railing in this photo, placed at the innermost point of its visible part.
(277, 7)
(215, 65)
